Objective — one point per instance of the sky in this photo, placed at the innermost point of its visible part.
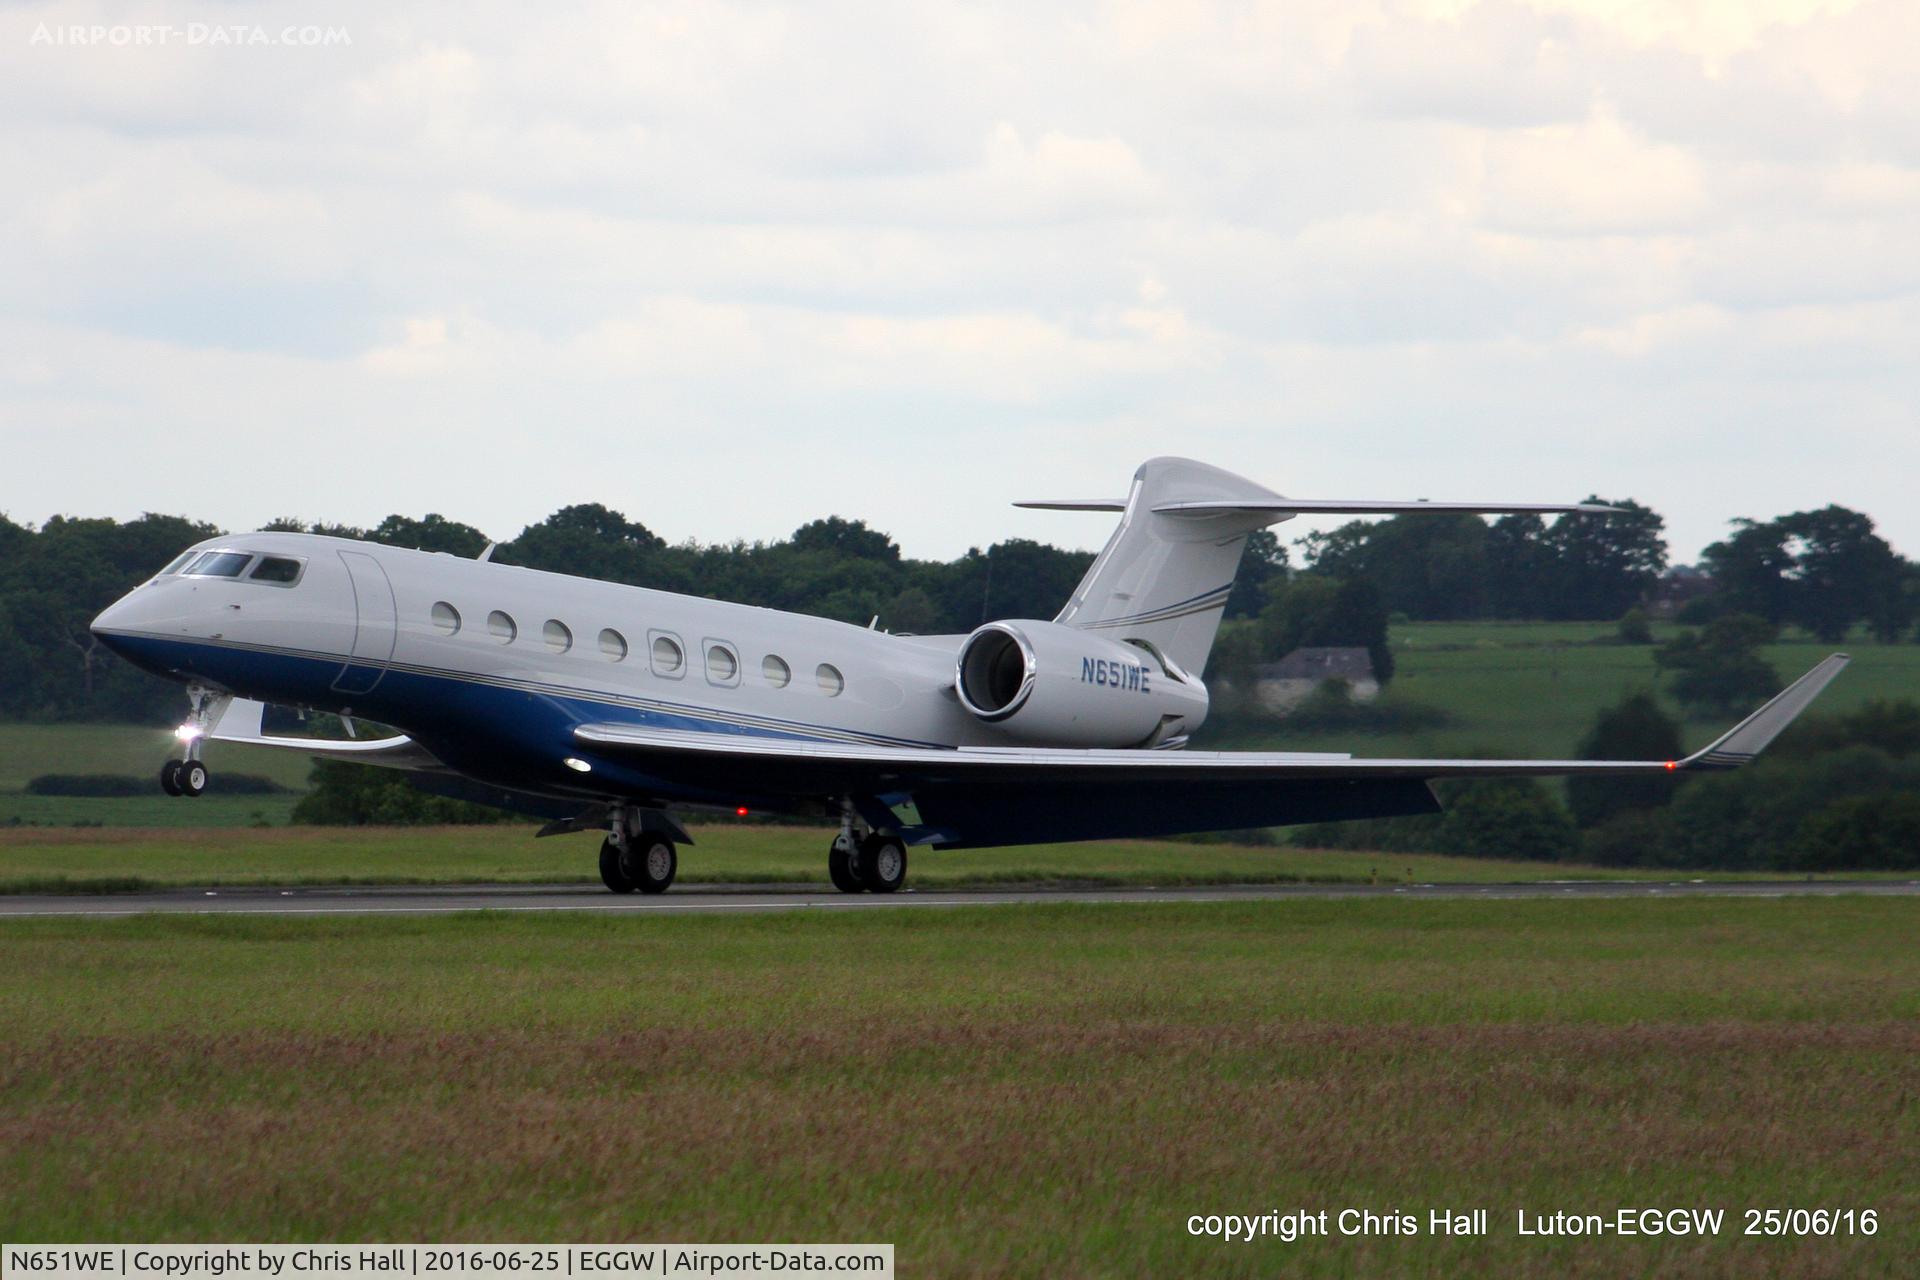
(731, 267)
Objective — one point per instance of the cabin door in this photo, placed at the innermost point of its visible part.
(374, 620)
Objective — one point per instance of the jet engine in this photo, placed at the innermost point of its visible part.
(1050, 685)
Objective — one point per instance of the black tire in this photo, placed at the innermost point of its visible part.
(191, 777)
(613, 873)
(652, 862)
(883, 863)
(843, 868)
(170, 777)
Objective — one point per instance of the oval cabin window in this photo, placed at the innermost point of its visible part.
(722, 666)
(613, 645)
(668, 657)
(832, 683)
(775, 671)
(559, 638)
(446, 618)
(502, 627)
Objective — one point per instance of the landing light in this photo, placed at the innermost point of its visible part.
(577, 765)
(188, 732)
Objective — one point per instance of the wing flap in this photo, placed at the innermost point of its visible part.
(241, 723)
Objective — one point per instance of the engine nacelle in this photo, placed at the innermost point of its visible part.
(1045, 684)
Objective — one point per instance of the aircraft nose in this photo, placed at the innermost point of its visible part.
(118, 618)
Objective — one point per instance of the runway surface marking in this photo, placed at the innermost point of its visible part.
(447, 899)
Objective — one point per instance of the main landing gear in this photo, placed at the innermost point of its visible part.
(632, 857)
(870, 861)
(189, 777)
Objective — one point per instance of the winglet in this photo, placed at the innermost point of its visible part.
(1740, 744)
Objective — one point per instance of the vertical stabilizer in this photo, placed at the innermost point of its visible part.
(1165, 578)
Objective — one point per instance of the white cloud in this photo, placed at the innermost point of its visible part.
(672, 256)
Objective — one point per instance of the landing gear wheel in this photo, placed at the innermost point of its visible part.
(653, 863)
(843, 867)
(613, 872)
(883, 863)
(170, 777)
(190, 777)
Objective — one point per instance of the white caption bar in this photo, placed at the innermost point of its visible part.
(438, 1261)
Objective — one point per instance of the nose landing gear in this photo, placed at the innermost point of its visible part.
(189, 777)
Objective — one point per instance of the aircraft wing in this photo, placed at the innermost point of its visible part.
(972, 796)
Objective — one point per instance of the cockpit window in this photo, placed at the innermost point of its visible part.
(219, 564)
(276, 569)
(174, 566)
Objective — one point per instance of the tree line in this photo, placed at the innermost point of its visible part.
(55, 579)
(1824, 570)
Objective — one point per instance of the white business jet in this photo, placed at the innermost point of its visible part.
(603, 706)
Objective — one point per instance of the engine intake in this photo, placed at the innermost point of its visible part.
(1052, 685)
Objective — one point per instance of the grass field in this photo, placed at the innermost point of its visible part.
(1533, 688)
(27, 750)
(1007, 1091)
(91, 860)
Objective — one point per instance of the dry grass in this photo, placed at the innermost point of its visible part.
(1001, 1093)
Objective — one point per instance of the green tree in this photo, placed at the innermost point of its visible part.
(1634, 627)
(590, 541)
(1824, 570)
(1603, 564)
(1634, 729)
(1425, 566)
(433, 532)
(1262, 561)
(850, 538)
(1718, 669)
(355, 795)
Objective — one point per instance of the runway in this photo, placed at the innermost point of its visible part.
(413, 900)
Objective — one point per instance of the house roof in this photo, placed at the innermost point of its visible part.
(1315, 663)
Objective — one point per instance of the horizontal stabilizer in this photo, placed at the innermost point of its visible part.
(1374, 507)
(1075, 504)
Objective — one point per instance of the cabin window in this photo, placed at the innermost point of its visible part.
(219, 564)
(722, 666)
(775, 671)
(613, 645)
(669, 659)
(558, 637)
(446, 618)
(832, 683)
(281, 571)
(502, 627)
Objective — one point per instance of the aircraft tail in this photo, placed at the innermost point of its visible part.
(1165, 574)
(1163, 577)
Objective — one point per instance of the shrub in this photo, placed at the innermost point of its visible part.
(1483, 818)
(1632, 838)
(114, 785)
(1636, 729)
(1863, 833)
(1634, 628)
(352, 795)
